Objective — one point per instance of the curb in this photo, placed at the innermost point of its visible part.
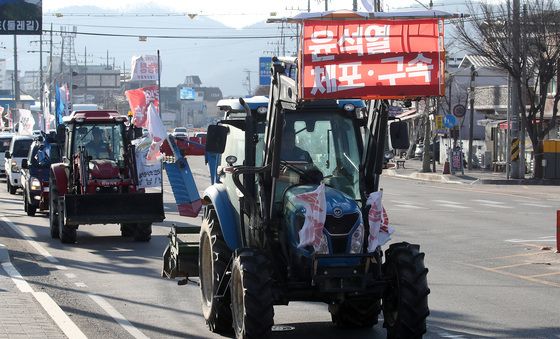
(433, 177)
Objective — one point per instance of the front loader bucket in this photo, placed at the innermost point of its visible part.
(113, 208)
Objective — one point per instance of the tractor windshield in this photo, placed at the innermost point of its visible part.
(100, 141)
(322, 142)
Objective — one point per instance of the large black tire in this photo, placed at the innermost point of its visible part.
(143, 232)
(252, 303)
(127, 230)
(53, 209)
(405, 302)
(30, 209)
(67, 234)
(213, 258)
(356, 313)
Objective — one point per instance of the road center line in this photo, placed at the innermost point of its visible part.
(54, 311)
(119, 318)
(32, 242)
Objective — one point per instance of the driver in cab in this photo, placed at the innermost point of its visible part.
(97, 146)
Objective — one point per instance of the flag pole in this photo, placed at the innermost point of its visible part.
(159, 81)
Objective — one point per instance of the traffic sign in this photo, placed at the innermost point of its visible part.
(449, 121)
(459, 111)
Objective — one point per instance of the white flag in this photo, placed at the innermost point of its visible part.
(26, 122)
(47, 110)
(368, 5)
(379, 229)
(157, 132)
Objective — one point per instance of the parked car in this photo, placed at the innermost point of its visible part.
(19, 150)
(35, 175)
(180, 132)
(5, 140)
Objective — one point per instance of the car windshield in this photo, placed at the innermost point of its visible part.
(182, 130)
(324, 142)
(21, 148)
(100, 141)
(5, 144)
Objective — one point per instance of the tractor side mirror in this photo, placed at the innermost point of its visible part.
(399, 135)
(7, 155)
(24, 164)
(60, 134)
(216, 139)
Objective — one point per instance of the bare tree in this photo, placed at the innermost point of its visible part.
(487, 33)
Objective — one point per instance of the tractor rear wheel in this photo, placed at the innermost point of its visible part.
(143, 231)
(214, 256)
(53, 209)
(405, 301)
(127, 230)
(252, 303)
(356, 313)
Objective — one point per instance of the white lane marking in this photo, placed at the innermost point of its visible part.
(70, 275)
(32, 242)
(21, 284)
(501, 206)
(491, 202)
(61, 268)
(166, 208)
(541, 239)
(99, 300)
(453, 206)
(447, 202)
(405, 202)
(54, 311)
(119, 318)
(80, 285)
(535, 205)
(408, 206)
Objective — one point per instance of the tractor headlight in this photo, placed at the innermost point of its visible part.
(35, 184)
(323, 247)
(357, 240)
(15, 167)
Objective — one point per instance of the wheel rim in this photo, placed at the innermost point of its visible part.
(238, 307)
(206, 278)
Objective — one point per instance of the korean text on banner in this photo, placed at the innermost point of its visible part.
(145, 68)
(379, 229)
(372, 59)
(157, 133)
(315, 215)
(26, 122)
(139, 99)
(149, 175)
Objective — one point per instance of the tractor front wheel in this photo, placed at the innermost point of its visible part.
(405, 301)
(67, 234)
(127, 230)
(30, 209)
(11, 189)
(214, 256)
(53, 209)
(143, 232)
(252, 303)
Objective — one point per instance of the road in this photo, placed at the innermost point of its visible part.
(489, 275)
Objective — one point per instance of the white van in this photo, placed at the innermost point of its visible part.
(19, 150)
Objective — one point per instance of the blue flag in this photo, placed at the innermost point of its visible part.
(59, 106)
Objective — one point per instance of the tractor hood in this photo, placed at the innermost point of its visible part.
(338, 203)
(103, 169)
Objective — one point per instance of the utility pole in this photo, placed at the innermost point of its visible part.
(41, 70)
(16, 81)
(471, 119)
(50, 72)
(326, 5)
(355, 5)
(247, 83)
(524, 96)
(516, 94)
(308, 6)
(85, 76)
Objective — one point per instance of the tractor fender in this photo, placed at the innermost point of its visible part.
(217, 196)
(61, 177)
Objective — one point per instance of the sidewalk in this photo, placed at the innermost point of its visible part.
(21, 315)
(413, 170)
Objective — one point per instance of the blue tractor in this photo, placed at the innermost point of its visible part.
(249, 256)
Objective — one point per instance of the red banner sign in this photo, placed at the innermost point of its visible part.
(372, 59)
(139, 99)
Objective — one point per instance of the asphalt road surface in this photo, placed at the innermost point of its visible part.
(492, 273)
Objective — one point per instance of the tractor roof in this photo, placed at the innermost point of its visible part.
(233, 105)
(95, 116)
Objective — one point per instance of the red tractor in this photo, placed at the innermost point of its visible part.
(97, 180)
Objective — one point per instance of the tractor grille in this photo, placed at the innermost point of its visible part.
(342, 225)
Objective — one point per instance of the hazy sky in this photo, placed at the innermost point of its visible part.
(237, 14)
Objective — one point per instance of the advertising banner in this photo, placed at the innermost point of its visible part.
(144, 68)
(139, 99)
(265, 63)
(21, 17)
(372, 59)
(187, 93)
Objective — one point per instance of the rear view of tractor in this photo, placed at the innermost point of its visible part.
(296, 213)
(96, 182)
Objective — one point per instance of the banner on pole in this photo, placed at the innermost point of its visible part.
(139, 99)
(372, 59)
(25, 122)
(144, 68)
